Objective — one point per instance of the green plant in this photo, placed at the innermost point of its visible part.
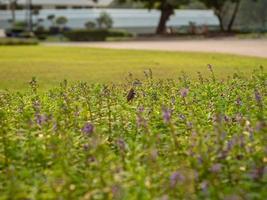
(17, 42)
(199, 138)
(61, 21)
(90, 25)
(51, 18)
(104, 21)
(94, 35)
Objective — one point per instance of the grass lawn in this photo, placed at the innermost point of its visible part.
(50, 65)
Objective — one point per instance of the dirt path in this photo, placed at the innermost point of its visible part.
(257, 47)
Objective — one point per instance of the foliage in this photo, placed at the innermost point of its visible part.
(126, 4)
(51, 18)
(13, 7)
(187, 139)
(104, 21)
(94, 35)
(16, 42)
(90, 25)
(20, 25)
(253, 15)
(165, 6)
(19, 29)
(18, 33)
(221, 10)
(61, 21)
(41, 33)
(194, 4)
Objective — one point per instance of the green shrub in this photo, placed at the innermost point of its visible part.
(16, 41)
(90, 25)
(94, 35)
(41, 33)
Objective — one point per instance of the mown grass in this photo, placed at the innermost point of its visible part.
(186, 139)
(53, 64)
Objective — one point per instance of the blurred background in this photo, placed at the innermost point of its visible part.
(97, 20)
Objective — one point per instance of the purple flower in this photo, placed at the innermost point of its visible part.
(40, 119)
(258, 172)
(258, 96)
(36, 106)
(141, 109)
(121, 144)
(55, 126)
(189, 125)
(200, 160)
(238, 101)
(116, 191)
(216, 168)
(184, 92)
(88, 128)
(196, 175)
(166, 114)
(230, 144)
(204, 186)
(226, 118)
(141, 122)
(175, 178)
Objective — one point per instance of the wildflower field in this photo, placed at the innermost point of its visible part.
(202, 138)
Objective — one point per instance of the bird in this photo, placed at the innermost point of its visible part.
(131, 95)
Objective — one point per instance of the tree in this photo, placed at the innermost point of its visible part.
(104, 21)
(51, 18)
(13, 7)
(167, 8)
(90, 25)
(261, 13)
(194, 5)
(253, 14)
(36, 12)
(61, 21)
(220, 8)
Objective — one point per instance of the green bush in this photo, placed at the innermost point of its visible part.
(94, 35)
(90, 25)
(16, 41)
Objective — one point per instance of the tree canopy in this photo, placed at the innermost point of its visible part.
(221, 9)
(166, 7)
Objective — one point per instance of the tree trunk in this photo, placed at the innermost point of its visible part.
(219, 16)
(12, 7)
(166, 11)
(29, 2)
(232, 20)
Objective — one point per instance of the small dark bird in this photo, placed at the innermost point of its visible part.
(131, 95)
